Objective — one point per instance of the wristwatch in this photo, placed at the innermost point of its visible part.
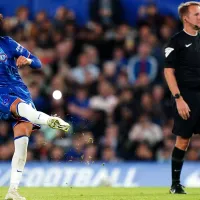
(177, 96)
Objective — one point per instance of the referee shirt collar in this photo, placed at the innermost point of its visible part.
(189, 33)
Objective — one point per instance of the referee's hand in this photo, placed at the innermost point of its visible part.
(183, 108)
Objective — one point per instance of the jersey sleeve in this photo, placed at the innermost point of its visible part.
(170, 54)
(17, 49)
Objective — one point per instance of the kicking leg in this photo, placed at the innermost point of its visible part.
(177, 163)
(20, 108)
(22, 132)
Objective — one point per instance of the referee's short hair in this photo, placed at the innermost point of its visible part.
(183, 8)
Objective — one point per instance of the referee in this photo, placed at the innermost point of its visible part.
(182, 73)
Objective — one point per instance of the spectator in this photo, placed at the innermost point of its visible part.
(62, 17)
(39, 100)
(119, 59)
(149, 14)
(106, 12)
(90, 153)
(20, 24)
(143, 152)
(40, 147)
(6, 152)
(76, 151)
(30, 156)
(109, 155)
(164, 155)
(125, 115)
(122, 80)
(158, 104)
(142, 63)
(110, 137)
(165, 33)
(92, 54)
(85, 73)
(78, 107)
(145, 130)
(192, 155)
(40, 25)
(106, 100)
(110, 71)
(56, 154)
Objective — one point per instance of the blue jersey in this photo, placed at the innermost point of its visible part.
(10, 50)
(11, 84)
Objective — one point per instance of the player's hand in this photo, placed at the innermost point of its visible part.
(183, 108)
(22, 61)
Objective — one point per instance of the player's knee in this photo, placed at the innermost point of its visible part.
(23, 128)
(182, 143)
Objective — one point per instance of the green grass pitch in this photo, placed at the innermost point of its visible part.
(103, 193)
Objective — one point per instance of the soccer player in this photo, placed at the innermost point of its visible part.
(182, 73)
(16, 104)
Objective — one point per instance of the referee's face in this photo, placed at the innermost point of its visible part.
(193, 15)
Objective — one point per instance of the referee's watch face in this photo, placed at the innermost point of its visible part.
(193, 15)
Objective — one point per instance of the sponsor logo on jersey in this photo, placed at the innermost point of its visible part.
(3, 57)
(6, 101)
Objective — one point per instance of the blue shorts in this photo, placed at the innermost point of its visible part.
(7, 97)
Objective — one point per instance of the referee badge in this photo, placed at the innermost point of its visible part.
(168, 50)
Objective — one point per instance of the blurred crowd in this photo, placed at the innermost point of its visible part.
(105, 79)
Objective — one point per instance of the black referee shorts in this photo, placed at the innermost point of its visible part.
(186, 128)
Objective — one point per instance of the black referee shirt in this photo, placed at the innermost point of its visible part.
(183, 54)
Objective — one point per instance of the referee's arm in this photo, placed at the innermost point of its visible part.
(182, 107)
(171, 80)
(169, 73)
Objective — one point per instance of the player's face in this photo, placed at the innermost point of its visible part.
(194, 15)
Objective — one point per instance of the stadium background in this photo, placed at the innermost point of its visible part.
(108, 69)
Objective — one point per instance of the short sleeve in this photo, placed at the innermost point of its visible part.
(170, 54)
(17, 49)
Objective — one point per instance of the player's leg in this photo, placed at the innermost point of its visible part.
(22, 109)
(22, 132)
(177, 163)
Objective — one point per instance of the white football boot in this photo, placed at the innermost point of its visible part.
(57, 123)
(13, 195)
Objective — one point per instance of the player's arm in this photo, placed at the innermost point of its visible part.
(32, 61)
(24, 57)
(169, 73)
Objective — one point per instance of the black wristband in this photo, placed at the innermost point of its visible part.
(177, 96)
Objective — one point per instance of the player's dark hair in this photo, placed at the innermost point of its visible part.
(183, 8)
